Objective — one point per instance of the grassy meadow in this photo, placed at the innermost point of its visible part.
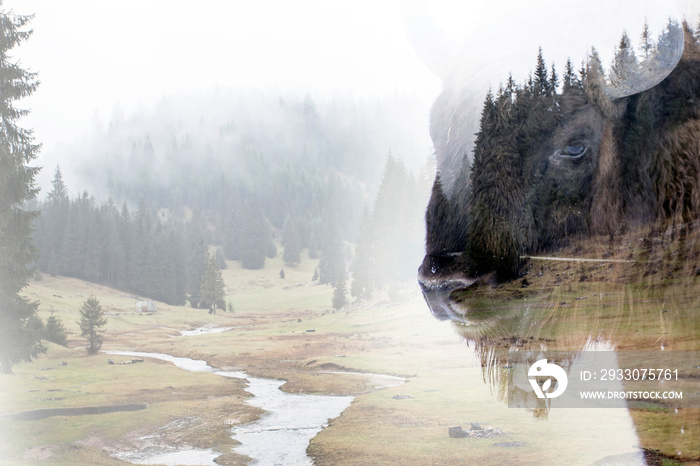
(286, 328)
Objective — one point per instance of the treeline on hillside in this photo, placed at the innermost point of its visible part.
(251, 171)
(521, 112)
(161, 257)
(209, 153)
(519, 119)
(164, 256)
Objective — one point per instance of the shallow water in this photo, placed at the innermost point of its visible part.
(204, 331)
(39, 414)
(282, 435)
(279, 437)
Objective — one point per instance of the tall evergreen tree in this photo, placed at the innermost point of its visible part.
(92, 321)
(212, 289)
(624, 64)
(582, 73)
(52, 223)
(55, 331)
(540, 81)
(59, 191)
(646, 42)
(339, 292)
(19, 340)
(553, 81)
(571, 79)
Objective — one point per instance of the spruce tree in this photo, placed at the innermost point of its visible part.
(52, 224)
(339, 292)
(646, 42)
(212, 289)
(624, 64)
(571, 80)
(55, 331)
(92, 321)
(553, 81)
(541, 82)
(19, 339)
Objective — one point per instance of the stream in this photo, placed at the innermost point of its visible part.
(279, 437)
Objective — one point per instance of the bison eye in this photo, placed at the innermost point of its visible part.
(573, 151)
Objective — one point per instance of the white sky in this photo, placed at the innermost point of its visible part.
(92, 55)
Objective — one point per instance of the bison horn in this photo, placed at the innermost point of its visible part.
(430, 42)
(632, 80)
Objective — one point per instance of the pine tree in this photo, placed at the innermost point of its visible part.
(571, 81)
(339, 292)
(59, 192)
(92, 320)
(19, 340)
(583, 73)
(553, 81)
(53, 224)
(624, 64)
(212, 289)
(646, 42)
(541, 82)
(55, 331)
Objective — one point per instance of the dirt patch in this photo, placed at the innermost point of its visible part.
(41, 453)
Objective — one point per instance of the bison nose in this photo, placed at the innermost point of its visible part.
(438, 300)
(438, 277)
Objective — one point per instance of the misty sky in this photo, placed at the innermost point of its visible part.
(95, 56)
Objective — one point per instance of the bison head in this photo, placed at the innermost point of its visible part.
(550, 167)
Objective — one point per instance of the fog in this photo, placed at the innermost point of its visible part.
(261, 170)
(98, 60)
(101, 60)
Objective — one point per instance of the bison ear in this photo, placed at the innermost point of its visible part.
(430, 42)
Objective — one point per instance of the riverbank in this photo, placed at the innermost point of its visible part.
(280, 328)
